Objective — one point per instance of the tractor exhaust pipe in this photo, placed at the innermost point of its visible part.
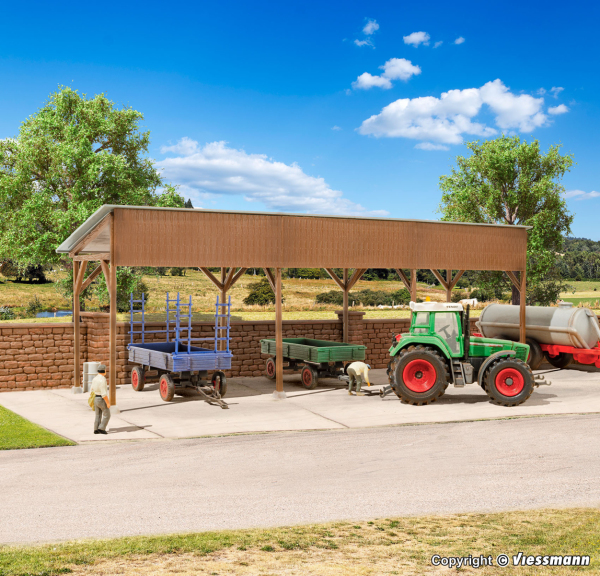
(466, 333)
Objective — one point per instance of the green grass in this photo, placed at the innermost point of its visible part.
(592, 302)
(17, 432)
(396, 546)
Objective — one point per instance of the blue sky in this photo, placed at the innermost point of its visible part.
(321, 107)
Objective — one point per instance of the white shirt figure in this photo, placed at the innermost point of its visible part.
(99, 387)
(361, 370)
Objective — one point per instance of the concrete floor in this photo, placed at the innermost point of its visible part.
(252, 408)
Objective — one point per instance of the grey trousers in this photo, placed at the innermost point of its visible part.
(103, 412)
(355, 379)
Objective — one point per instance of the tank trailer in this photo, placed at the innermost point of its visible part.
(439, 350)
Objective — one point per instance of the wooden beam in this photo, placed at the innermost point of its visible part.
(440, 279)
(335, 278)
(93, 234)
(76, 334)
(95, 272)
(457, 278)
(513, 279)
(235, 278)
(522, 310)
(278, 333)
(271, 279)
(345, 318)
(79, 279)
(404, 278)
(106, 271)
(448, 285)
(211, 277)
(413, 285)
(113, 323)
(228, 278)
(92, 257)
(358, 273)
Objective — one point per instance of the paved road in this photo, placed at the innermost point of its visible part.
(163, 486)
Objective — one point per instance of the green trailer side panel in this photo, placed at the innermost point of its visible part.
(311, 350)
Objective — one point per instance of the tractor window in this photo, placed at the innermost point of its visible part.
(421, 320)
(447, 327)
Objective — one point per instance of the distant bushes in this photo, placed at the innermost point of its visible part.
(6, 313)
(260, 293)
(365, 297)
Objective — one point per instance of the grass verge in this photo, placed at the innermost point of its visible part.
(401, 546)
(17, 432)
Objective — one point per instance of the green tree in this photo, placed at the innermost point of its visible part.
(512, 182)
(71, 157)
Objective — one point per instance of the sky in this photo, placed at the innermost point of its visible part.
(321, 107)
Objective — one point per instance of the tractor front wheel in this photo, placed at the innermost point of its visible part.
(420, 374)
(509, 382)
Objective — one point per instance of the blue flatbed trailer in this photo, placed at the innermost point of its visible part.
(181, 365)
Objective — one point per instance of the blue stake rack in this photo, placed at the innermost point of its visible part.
(179, 354)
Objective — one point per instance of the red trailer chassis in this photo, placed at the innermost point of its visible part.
(581, 355)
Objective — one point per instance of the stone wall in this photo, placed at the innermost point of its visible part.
(34, 356)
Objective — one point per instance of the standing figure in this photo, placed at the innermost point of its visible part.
(358, 371)
(101, 402)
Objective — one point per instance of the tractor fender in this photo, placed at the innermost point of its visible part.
(489, 360)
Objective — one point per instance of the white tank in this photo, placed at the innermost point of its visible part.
(563, 325)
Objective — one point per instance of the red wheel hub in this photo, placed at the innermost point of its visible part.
(134, 379)
(419, 375)
(270, 368)
(164, 387)
(307, 377)
(509, 382)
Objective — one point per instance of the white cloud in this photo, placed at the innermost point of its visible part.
(459, 40)
(581, 195)
(393, 69)
(335, 128)
(446, 119)
(541, 92)
(366, 42)
(556, 90)
(521, 112)
(217, 169)
(560, 109)
(417, 38)
(370, 27)
(438, 43)
(430, 146)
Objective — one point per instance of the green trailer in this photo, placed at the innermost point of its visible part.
(315, 358)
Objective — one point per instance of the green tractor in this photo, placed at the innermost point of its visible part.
(439, 350)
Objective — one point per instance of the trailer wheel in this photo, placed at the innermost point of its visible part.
(166, 387)
(421, 375)
(561, 361)
(270, 368)
(536, 355)
(309, 378)
(509, 382)
(219, 383)
(138, 378)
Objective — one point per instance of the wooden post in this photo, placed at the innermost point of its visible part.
(413, 285)
(449, 286)
(522, 318)
(345, 309)
(221, 310)
(76, 336)
(278, 336)
(113, 324)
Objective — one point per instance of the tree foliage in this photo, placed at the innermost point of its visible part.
(71, 157)
(512, 182)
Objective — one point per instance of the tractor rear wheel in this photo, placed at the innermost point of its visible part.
(561, 361)
(420, 374)
(166, 387)
(536, 355)
(509, 382)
